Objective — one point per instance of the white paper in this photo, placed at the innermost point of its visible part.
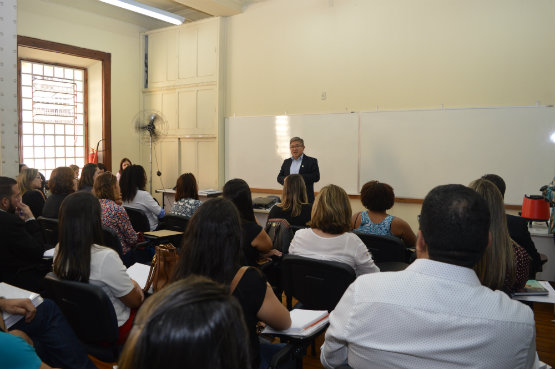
(48, 254)
(303, 323)
(11, 292)
(550, 298)
(139, 273)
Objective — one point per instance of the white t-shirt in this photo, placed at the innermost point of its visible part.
(109, 273)
(346, 248)
(144, 201)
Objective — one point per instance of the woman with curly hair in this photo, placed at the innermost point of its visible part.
(378, 197)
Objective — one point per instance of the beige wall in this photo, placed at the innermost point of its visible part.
(390, 54)
(56, 22)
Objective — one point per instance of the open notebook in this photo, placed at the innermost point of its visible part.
(11, 292)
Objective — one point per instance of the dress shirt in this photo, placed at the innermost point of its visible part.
(345, 248)
(296, 165)
(431, 315)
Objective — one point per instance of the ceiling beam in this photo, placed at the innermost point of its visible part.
(218, 8)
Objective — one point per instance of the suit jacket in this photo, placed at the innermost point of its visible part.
(21, 250)
(309, 170)
(518, 230)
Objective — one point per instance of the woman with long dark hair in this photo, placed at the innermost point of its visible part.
(80, 257)
(256, 242)
(88, 175)
(132, 184)
(196, 323)
(211, 247)
(294, 206)
(186, 196)
(124, 163)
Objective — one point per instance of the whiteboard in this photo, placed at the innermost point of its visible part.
(417, 150)
(255, 148)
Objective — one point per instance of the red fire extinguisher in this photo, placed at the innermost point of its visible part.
(93, 156)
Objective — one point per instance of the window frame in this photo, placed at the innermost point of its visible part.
(104, 58)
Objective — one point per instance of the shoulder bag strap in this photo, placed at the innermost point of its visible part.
(237, 278)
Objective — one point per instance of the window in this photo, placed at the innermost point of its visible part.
(53, 116)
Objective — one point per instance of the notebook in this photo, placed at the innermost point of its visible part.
(11, 292)
(303, 323)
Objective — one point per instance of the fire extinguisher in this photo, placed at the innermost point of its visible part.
(93, 156)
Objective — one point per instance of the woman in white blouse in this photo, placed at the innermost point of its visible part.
(329, 238)
(132, 184)
(80, 257)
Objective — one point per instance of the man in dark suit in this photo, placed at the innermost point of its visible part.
(518, 230)
(21, 247)
(302, 164)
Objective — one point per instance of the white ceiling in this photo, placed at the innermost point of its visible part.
(192, 10)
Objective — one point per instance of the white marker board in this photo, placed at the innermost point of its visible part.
(255, 148)
(415, 151)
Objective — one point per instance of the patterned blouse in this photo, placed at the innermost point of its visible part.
(185, 207)
(367, 226)
(115, 217)
(522, 264)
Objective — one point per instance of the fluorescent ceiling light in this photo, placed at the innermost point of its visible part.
(147, 10)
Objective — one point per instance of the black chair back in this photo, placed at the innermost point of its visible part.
(173, 222)
(317, 284)
(138, 219)
(384, 248)
(295, 228)
(49, 227)
(280, 233)
(90, 313)
(112, 240)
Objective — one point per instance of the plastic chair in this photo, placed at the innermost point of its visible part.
(389, 253)
(138, 219)
(49, 227)
(90, 313)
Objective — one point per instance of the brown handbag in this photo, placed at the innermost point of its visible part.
(162, 267)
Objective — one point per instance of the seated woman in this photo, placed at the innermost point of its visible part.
(378, 197)
(30, 183)
(124, 163)
(256, 241)
(213, 335)
(80, 257)
(294, 207)
(62, 182)
(186, 196)
(211, 247)
(88, 175)
(132, 184)
(330, 237)
(114, 216)
(504, 264)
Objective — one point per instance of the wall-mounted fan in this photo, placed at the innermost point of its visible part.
(151, 126)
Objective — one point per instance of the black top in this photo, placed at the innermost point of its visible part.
(309, 170)
(250, 292)
(35, 201)
(299, 220)
(518, 230)
(250, 231)
(21, 252)
(52, 205)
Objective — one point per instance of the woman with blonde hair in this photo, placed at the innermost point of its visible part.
(330, 237)
(294, 207)
(30, 183)
(504, 265)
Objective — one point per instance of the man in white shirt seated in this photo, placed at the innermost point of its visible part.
(435, 313)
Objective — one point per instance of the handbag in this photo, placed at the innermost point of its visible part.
(162, 267)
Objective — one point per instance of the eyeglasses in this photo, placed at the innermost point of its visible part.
(296, 146)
